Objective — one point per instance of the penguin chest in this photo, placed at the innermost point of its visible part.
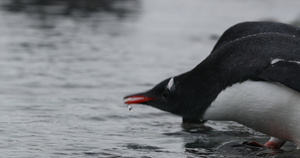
(269, 108)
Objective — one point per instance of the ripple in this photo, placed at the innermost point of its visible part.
(142, 147)
(95, 118)
(101, 154)
(202, 143)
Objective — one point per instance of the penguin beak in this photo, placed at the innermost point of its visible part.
(137, 99)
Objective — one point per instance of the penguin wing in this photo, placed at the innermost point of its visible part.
(285, 72)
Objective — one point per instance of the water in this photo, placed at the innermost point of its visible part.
(64, 73)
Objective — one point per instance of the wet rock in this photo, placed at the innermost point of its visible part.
(238, 148)
(289, 154)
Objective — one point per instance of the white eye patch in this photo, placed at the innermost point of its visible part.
(171, 85)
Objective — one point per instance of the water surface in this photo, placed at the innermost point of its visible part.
(64, 74)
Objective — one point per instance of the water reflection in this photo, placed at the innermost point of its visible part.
(120, 8)
(64, 16)
(50, 42)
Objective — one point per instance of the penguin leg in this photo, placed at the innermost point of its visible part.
(192, 121)
(188, 123)
(273, 143)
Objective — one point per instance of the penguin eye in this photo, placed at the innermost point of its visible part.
(166, 94)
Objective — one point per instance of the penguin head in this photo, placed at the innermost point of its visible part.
(175, 95)
(163, 96)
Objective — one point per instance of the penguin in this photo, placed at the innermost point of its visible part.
(238, 31)
(252, 79)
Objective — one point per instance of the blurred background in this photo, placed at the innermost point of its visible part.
(65, 66)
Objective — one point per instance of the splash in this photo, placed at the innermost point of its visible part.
(130, 108)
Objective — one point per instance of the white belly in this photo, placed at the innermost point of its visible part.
(270, 108)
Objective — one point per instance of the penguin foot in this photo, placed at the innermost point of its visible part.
(255, 144)
(273, 143)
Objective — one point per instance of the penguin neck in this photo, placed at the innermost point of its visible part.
(201, 86)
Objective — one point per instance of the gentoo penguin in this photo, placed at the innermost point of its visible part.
(241, 30)
(253, 79)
